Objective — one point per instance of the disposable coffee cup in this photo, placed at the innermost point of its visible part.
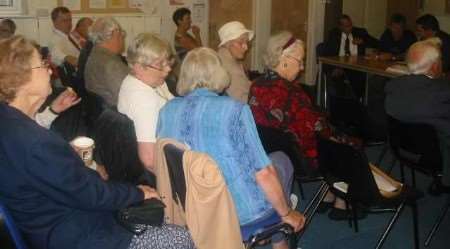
(84, 146)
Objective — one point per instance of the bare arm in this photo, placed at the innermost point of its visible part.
(146, 152)
(268, 180)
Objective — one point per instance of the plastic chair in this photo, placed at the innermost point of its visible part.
(13, 230)
(116, 148)
(417, 146)
(343, 163)
(251, 234)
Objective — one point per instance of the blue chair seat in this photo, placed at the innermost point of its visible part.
(11, 226)
(263, 226)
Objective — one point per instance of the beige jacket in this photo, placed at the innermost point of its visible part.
(210, 213)
(240, 84)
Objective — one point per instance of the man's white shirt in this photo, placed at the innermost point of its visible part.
(60, 46)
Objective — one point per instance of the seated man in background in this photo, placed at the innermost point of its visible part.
(423, 97)
(105, 69)
(396, 39)
(347, 40)
(62, 47)
(80, 33)
(428, 27)
(7, 28)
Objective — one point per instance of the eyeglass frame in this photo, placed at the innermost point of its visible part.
(45, 64)
(168, 63)
(300, 62)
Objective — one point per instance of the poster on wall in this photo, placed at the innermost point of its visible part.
(117, 4)
(136, 3)
(6, 3)
(198, 12)
(72, 4)
(176, 2)
(97, 4)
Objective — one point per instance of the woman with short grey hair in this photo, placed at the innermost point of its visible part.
(224, 128)
(144, 90)
(278, 101)
(212, 76)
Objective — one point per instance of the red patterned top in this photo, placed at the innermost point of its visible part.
(280, 104)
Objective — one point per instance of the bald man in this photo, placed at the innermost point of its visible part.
(424, 97)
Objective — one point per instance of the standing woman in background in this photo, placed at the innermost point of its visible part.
(183, 41)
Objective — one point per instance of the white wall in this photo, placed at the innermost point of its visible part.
(35, 22)
(437, 8)
(369, 14)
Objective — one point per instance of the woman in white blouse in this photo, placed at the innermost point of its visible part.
(144, 91)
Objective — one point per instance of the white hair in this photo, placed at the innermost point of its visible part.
(422, 55)
(102, 29)
(147, 48)
(202, 68)
(275, 50)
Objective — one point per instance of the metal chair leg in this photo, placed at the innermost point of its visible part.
(390, 225)
(415, 225)
(437, 223)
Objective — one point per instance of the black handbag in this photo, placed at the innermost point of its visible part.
(137, 217)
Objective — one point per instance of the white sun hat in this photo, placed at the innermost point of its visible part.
(233, 30)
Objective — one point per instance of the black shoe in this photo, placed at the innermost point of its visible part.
(437, 188)
(341, 214)
(324, 207)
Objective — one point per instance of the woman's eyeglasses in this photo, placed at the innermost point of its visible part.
(164, 64)
(44, 65)
(300, 62)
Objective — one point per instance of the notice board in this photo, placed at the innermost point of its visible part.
(112, 6)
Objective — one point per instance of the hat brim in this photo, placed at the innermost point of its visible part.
(237, 35)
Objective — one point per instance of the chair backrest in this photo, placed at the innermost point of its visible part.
(342, 162)
(174, 160)
(274, 139)
(13, 230)
(347, 113)
(416, 144)
(116, 144)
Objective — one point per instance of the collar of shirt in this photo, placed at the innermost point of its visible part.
(59, 32)
(202, 92)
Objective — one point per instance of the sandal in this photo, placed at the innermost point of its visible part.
(324, 207)
(342, 214)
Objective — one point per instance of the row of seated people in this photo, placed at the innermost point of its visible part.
(82, 203)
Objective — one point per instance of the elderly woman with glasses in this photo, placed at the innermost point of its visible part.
(55, 200)
(224, 129)
(144, 91)
(234, 43)
(278, 101)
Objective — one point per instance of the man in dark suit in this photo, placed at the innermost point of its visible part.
(423, 97)
(347, 40)
(427, 26)
(396, 39)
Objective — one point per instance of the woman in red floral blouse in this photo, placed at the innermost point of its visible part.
(278, 100)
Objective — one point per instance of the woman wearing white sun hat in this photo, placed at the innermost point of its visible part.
(234, 43)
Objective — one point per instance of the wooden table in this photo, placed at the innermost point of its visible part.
(357, 63)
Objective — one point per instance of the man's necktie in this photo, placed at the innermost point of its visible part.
(347, 46)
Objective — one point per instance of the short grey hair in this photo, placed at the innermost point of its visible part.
(102, 29)
(147, 48)
(274, 49)
(202, 67)
(422, 55)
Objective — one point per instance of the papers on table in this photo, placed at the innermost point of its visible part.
(401, 69)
